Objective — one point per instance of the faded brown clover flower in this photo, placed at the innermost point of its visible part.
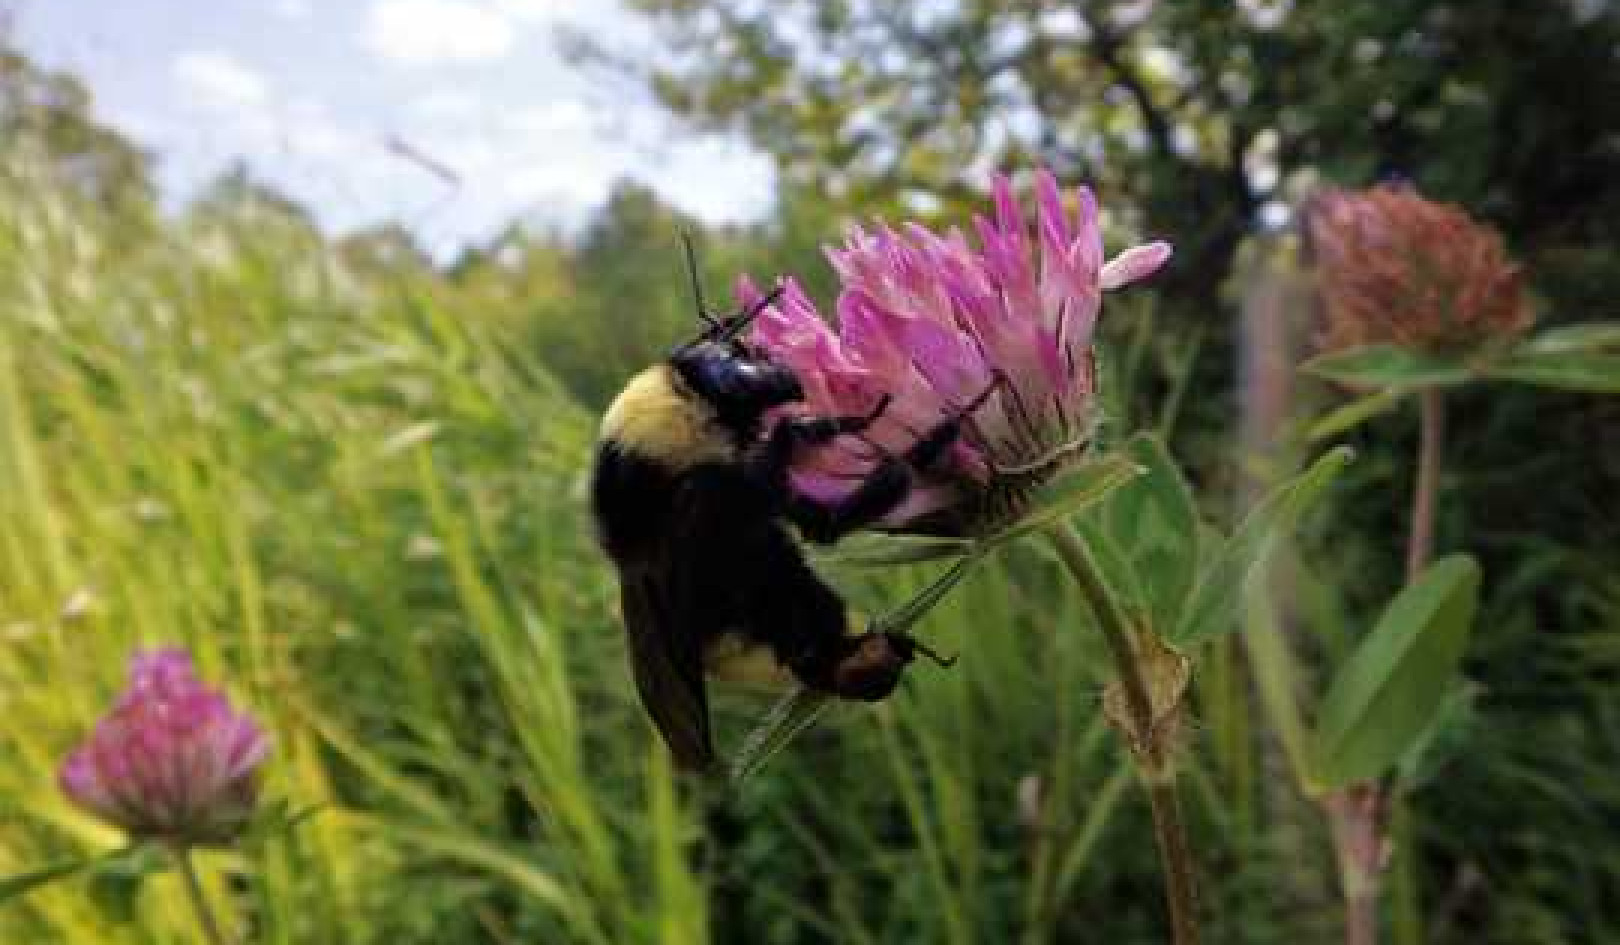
(1395, 268)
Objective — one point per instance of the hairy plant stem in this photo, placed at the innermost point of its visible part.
(1358, 826)
(1431, 442)
(1180, 883)
(1361, 917)
(199, 902)
(1154, 760)
(1355, 815)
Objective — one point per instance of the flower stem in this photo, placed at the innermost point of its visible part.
(1180, 886)
(1355, 815)
(1155, 761)
(199, 902)
(1358, 825)
(1431, 441)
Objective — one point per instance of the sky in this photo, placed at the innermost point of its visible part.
(353, 107)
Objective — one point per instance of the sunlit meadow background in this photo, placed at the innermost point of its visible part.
(349, 475)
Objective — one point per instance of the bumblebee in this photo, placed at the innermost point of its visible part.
(692, 504)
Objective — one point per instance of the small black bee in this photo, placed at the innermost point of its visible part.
(691, 496)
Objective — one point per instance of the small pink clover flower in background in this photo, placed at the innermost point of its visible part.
(172, 761)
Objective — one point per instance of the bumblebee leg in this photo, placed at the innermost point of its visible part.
(880, 493)
(877, 495)
(816, 665)
(818, 431)
(932, 446)
(887, 485)
(770, 461)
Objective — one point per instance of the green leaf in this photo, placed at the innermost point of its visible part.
(876, 550)
(1594, 371)
(123, 868)
(278, 817)
(1591, 336)
(1445, 738)
(1212, 608)
(12, 886)
(1276, 674)
(901, 618)
(1087, 485)
(1378, 366)
(115, 882)
(1115, 567)
(1389, 692)
(796, 711)
(1355, 413)
(1154, 523)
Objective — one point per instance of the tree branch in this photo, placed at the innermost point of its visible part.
(1109, 47)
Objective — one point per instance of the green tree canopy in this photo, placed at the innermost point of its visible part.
(1193, 115)
(48, 129)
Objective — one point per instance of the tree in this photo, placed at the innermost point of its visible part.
(47, 127)
(1191, 116)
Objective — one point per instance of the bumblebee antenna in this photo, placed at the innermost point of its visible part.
(732, 327)
(940, 661)
(697, 284)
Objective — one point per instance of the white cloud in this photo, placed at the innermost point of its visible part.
(714, 178)
(534, 139)
(292, 9)
(554, 188)
(429, 32)
(535, 9)
(216, 79)
(310, 131)
(595, 16)
(560, 116)
(445, 105)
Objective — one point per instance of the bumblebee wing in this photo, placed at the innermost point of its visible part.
(666, 656)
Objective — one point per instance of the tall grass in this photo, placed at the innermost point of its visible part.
(359, 501)
(361, 508)
(362, 511)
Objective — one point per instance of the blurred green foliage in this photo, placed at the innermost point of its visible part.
(352, 481)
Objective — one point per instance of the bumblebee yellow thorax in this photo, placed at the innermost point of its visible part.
(657, 417)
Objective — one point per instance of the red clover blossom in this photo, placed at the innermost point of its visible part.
(172, 761)
(935, 322)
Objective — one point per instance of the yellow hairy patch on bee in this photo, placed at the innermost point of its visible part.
(655, 416)
(733, 659)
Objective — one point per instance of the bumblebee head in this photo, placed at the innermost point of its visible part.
(737, 384)
(722, 370)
